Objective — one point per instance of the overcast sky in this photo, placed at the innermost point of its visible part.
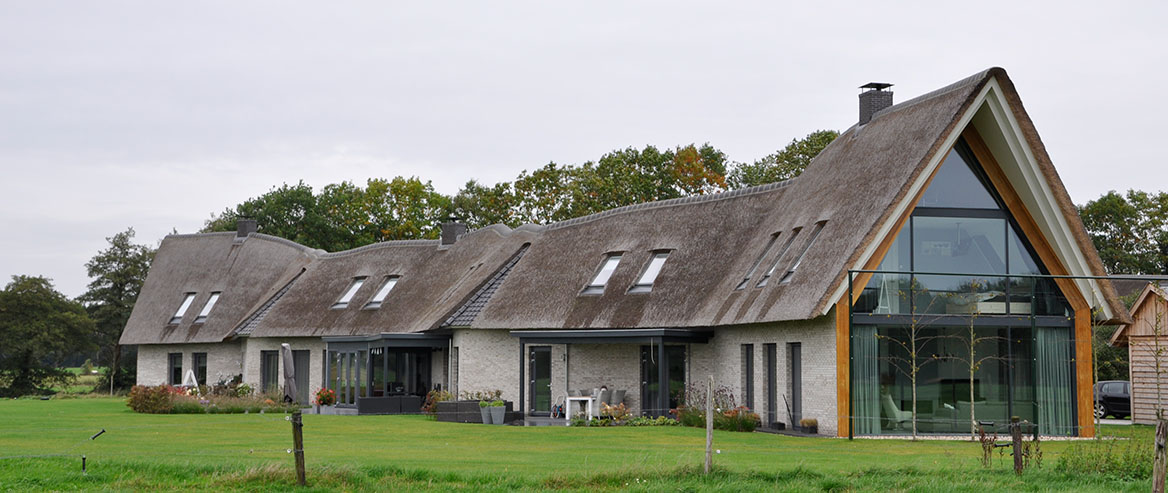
(119, 114)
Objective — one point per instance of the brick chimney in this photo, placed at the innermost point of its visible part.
(451, 231)
(875, 98)
(244, 227)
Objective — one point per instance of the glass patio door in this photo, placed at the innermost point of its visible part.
(540, 358)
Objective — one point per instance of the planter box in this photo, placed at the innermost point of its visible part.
(469, 412)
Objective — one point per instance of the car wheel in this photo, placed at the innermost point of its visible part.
(1100, 410)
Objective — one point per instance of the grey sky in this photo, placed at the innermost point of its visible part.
(117, 114)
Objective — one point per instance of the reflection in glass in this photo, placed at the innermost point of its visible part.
(956, 185)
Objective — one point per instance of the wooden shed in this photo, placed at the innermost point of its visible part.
(1147, 333)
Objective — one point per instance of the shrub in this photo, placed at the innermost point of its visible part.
(647, 421)
(481, 395)
(152, 400)
(739, 418)
(244, 390)
(498, 403)
(184, 406)
(484, 403)
(430, 405)
(1128, 460)
(618, 413)
(227, 386)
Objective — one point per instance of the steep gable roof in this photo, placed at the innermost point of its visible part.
(859, 187)
(1144, 315)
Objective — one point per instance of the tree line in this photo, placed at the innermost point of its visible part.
(346, 215)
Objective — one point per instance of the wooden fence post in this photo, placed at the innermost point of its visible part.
(298, 445)
(709, 424)
(1158, 468)
(1016, 435)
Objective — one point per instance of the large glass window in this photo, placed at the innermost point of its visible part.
(601, 279)
(269, 372)
(952, 259)
(199, 361)
(174, 368)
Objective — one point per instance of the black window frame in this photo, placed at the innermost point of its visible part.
(174, 368)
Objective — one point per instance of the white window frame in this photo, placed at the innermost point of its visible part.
(603, 274)
(652, 270)
(202, 317)
(387, 285)
(188, 299)
(350, 292)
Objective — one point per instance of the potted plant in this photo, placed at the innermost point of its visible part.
(485, 408)
(324, 397)
(809, 425)
(498, 412)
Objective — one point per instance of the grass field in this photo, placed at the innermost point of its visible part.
(84, 382)
(412, 452)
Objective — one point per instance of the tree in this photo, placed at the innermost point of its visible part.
(287, 211)
(1130, 233)
(783, 164)
(480, 206)
(116, 274)
(39, 327)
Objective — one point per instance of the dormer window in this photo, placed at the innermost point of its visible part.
(754, 267)
(601, 280)
(786, 246)
(207, 308)
(645, 283)
(186, 304)
(386, 286)
(348, 296)
(791, 272)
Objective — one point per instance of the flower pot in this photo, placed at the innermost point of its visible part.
(486, 415)
(498, 415)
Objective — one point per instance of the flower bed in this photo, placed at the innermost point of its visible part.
(166, 399)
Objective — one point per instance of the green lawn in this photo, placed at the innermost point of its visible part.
(412, 452)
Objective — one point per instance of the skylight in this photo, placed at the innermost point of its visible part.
(770, 244)
(645, 283)
(786, 246)
(386, 286)
(791, 272)
(601, 280)
(178, 315)
(207, 308)
(348, 296)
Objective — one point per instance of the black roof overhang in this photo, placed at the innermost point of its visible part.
(613, 336)
(387, 340)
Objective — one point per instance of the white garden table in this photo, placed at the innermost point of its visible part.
(581, 400)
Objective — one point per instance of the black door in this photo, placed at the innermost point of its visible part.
(540, 358)
(796, 371)
(657, 399)
(771, 388)
(300, 369)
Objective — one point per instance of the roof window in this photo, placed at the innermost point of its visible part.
(601, 280)
(348, 296)
(386, 286)
(645, 283)
(814, 234)
(750, 273)
(207, 308)
(186, 304)
(786, 246)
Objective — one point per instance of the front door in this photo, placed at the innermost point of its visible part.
(795, 370)
(300, 369)
(540, 358)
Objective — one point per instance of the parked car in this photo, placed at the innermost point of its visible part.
(1113, 397)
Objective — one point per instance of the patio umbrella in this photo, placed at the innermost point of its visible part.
(289, 373)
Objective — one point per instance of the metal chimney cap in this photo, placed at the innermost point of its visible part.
(878, 86)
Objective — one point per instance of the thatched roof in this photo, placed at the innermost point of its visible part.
(853, 187)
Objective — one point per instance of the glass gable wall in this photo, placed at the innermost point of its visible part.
(953, 291)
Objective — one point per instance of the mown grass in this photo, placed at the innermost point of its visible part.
(249, 452)
(83, 383)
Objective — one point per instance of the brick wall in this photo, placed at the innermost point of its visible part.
(224, 360)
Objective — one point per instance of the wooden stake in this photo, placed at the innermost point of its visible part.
(709, 424)
(1158, 468)
(1016, 434)
(298, 445)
